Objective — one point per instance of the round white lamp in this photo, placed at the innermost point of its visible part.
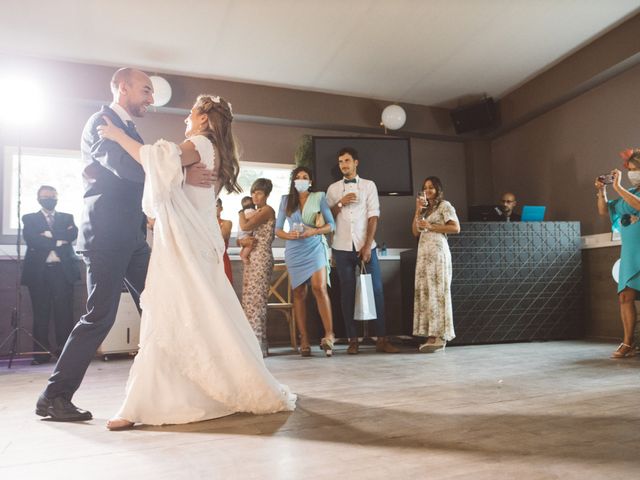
(393, 117)
(161, 91)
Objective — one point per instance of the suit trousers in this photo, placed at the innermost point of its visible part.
(51, 292)
(346, 263)
(106, 272)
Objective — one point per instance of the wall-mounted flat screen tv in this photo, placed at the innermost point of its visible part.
(386, 161)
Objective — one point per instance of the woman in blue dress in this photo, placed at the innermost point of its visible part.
(307, 253)
(625, 213)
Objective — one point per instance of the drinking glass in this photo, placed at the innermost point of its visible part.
(297, 227)
(422, 196)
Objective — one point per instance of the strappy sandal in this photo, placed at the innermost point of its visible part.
(305, 351)
(327, 345)
(437, 344)
(624, 351)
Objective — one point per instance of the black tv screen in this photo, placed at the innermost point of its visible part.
(386, 161)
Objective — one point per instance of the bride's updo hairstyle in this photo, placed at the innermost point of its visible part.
(218, 130)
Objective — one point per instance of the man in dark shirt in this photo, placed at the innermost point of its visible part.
(507, 205)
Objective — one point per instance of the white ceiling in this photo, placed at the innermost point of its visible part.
(428, 52)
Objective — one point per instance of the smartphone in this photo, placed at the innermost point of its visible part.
(606, 179)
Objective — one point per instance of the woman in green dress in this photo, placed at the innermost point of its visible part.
(625, 213)
(306, 253)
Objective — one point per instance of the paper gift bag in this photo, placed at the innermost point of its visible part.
(365, 304)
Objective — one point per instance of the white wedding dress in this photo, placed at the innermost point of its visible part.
(199, 358)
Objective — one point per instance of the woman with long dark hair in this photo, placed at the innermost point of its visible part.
(307, 253)
(198, 358)
(433, 220)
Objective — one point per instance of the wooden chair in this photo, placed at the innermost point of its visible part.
(281, 299)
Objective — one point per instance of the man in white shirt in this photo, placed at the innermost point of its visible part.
(355, 206)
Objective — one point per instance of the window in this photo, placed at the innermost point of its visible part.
(249, 171)
(62, 169)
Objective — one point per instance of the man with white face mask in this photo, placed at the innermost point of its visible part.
(625, 213)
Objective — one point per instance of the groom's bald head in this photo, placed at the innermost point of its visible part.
(132, 89)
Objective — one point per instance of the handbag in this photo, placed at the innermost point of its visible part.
(319, 221)
(365, 302)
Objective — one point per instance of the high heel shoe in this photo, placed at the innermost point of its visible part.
(624, 351)
(305, 351)
(437, 344)
(327, 345)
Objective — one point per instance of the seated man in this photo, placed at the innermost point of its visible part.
(507, 205)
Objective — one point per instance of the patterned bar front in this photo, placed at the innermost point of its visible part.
(511, 282)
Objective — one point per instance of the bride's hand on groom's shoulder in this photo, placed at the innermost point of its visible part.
(109, 130)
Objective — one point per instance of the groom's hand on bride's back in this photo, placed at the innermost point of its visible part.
(200, 176)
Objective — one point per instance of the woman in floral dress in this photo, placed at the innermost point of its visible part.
(258, 270)
(433, 220)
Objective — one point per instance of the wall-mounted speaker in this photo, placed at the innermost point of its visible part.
(478, 116)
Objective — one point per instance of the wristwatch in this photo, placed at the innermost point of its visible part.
(340, 204)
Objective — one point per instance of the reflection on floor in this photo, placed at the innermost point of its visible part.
(527, 411)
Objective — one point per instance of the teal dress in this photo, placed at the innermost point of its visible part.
(621, 213)
(305, 256)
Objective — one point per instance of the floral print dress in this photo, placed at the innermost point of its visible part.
(256, 280)
(432, 311)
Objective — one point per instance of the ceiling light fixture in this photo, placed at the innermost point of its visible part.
(393, 117)
(161, 91)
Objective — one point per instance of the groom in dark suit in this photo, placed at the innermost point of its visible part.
(49, 271)
(112, 237)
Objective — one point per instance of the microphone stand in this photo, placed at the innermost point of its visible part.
(13, 338)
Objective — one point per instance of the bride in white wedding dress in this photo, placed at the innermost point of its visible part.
(199, 358)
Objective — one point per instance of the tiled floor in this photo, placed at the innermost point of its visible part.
(527, 411)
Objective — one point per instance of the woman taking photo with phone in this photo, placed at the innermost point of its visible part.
(624, 214)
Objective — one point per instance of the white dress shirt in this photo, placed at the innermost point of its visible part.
(122, 113)
(53, 256)
(351, 221)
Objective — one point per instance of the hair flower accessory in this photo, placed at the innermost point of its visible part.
(629, 154)
(218, 99)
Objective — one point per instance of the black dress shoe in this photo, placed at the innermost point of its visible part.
(60, 409)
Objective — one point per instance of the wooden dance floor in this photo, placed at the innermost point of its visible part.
(516, 411)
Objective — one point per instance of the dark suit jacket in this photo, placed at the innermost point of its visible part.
(38, 246)
(113, 182)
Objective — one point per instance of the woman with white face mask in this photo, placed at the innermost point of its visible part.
(625, 213)
(307, 253)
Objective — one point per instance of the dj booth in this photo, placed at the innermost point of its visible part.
(511, 282)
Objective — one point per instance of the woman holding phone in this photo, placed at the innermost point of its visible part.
(624, 213)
